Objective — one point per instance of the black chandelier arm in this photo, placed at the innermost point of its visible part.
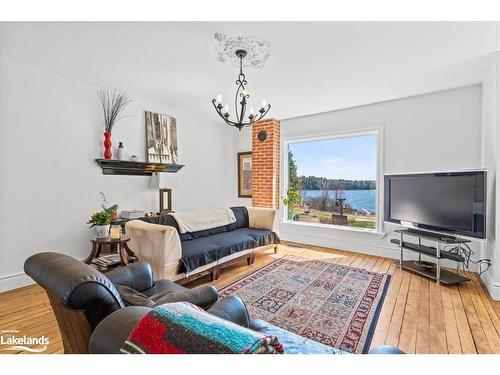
(219, 110)
(239, 95)
(243, 109)
(241, 80)
(238, 124)
(262, 113)
(241, 124)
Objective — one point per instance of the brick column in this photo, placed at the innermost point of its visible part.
(266, 164)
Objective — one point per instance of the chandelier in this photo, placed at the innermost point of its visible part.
(243, 117)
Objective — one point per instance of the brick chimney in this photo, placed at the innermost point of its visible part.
(266, 163)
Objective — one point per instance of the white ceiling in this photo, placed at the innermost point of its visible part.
(311, 67)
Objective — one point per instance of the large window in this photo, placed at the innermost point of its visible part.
(333, 181)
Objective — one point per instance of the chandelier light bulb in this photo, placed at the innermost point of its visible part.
(264, 102)
(219, 99)
(251, 111)
(226, 109)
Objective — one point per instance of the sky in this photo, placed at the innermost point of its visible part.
(352, 158)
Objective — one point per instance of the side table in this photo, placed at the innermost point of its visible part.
(121, 243)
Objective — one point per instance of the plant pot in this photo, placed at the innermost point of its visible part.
(102, 231)
(107, 145)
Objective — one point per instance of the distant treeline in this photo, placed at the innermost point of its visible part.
(321, 183)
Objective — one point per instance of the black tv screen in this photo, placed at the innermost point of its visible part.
(453, 202)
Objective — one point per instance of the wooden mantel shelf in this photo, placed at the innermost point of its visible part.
(135, 168)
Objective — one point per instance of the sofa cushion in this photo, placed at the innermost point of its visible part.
(205, 250)
(241, 215)
(163, 219)
(132, 297)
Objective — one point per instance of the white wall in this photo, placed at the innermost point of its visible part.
(51, 132)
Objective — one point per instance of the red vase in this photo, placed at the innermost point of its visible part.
(107, 145)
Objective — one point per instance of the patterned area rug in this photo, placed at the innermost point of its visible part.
(318, 299)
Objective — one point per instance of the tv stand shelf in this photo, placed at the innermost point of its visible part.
(428, 250)
(431, 270)
(445, 276)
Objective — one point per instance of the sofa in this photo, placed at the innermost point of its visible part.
(110, 335)
(182, 257)
(81, 296)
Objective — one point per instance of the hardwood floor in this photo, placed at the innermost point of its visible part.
(418, 315)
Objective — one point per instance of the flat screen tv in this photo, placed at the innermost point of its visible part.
(453, 202)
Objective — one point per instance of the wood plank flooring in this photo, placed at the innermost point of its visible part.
(418, 315)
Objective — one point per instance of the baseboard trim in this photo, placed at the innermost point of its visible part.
(14, 281)
(492, 287)
(17, 280)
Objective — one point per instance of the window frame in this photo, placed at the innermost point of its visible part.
(285, 146)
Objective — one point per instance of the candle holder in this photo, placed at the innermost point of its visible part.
(115, 232)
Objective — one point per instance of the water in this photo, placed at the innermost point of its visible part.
(357, 199)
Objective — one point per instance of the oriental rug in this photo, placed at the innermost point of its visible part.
(333, 304)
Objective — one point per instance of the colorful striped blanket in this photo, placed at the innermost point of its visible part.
(183, 328)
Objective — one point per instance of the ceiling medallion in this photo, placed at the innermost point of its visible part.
(258, 50)
(241, 55)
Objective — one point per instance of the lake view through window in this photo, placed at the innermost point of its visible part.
(333, 181)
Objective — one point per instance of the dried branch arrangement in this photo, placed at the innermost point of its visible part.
(113, 104)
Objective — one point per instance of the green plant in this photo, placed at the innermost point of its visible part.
(293, 196)
(104, 205)
(99, 218)
(105, 216)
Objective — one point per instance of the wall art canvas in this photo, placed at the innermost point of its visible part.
(245, 174)
(161, 138)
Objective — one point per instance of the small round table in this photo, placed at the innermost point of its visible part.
(121, 244)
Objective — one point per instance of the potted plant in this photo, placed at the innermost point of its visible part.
(113, 210)
(100, 221)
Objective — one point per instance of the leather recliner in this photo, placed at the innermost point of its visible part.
(82, 297)
(111, 333)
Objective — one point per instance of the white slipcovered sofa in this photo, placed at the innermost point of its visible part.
(181, 256)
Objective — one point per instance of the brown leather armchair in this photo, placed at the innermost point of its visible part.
(81, 296)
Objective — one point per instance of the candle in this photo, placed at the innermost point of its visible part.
(116, 232)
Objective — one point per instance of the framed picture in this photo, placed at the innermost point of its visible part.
(245, 174)
(161, 138)
(165, 200)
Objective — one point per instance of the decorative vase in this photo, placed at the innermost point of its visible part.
(107, 145)
(102, 231)
(119, 152)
